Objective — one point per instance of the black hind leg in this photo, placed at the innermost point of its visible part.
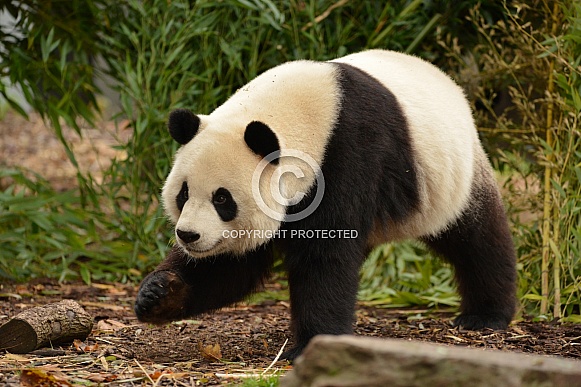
(481, 249)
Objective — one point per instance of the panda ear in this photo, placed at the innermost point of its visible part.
(183, 125)
(261, 140)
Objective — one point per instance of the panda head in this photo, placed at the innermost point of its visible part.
(208, 194)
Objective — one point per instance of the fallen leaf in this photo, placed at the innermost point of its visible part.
(109, 325)
(36, 377)
(104, 363)
(77, 344)
(156, 375)
(102, 378)
(82, 347)
(112, 289)
(211, 352)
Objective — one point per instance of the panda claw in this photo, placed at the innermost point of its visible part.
(161, 297)
(476, 322)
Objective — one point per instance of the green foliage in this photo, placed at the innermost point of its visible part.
(169, 54)
(45, 232)
(48, 54)
(163, 55)
(524, 76)
(262, 381)
(405, 274)
(566, 180)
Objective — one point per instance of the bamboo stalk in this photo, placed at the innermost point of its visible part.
(556, 206)
(546, 229)
(556, 265)
(548, 174)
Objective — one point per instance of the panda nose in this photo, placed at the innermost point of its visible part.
(188, 236)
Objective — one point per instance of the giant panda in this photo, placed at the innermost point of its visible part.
(390, 142)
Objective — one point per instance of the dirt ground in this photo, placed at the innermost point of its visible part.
(226, 346)
(214, 349)
(30, 144)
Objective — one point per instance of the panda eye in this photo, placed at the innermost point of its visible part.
(225, 204)
(182, 197)
(220, 199)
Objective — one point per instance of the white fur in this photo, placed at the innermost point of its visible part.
(300, 102)
(442, 132)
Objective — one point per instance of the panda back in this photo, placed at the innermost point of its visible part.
(442, 132)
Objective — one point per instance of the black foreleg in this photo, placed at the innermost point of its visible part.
(481, 250)
(182, 286)
(323, 291)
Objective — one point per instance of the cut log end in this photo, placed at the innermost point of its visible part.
(51, 324)
(18, 336)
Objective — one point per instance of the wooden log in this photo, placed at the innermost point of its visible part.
(50, 324)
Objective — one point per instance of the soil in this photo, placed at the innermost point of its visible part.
(228, 345)
(30, 144)
(214, 349)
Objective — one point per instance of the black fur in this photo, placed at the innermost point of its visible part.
(183, 125)
(370, 176)
(182, 197)
(225, 204)
(481, 249)
(181, 287)
(261, 140)
(324, 273)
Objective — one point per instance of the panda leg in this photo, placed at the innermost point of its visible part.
(481, 249)
(181, 287)
(323, 292)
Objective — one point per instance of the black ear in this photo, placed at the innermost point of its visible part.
(183, 125)
(261, 140)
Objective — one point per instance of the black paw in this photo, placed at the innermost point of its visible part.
(292, 353)
(161, 298)
(476, 322)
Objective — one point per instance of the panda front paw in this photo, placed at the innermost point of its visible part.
(161, 298)
(476, 322)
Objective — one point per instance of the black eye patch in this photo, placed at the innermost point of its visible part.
(224, 204)
(182, 197)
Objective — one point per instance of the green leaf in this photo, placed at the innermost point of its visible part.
(536, 297)
(572, 318)
(85, 274)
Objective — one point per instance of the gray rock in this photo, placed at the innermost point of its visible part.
(342, 361)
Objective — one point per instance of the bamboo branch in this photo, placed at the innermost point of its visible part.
(324, 15)
(548, 174)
